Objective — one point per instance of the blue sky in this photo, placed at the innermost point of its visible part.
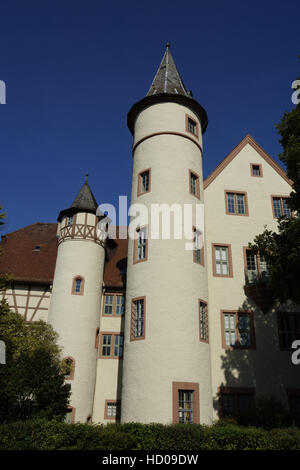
(73, 69)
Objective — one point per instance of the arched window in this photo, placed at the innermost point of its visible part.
(68, 367)
(78, 285)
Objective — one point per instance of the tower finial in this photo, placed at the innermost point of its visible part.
(86, 177)
(168, 45)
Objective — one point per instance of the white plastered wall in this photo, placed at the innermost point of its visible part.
(76, 317)
(267, 369)
(171, 282)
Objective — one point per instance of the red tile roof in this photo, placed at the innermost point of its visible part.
(20, 259)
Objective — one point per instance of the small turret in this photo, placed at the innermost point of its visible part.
(76, 296)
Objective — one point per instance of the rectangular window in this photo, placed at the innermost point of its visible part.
(191, 125)
(140, 245)
(203, 321)
(185, 402)
(112, 410)
(235, 401)
(222, 264)
(185, 406)
(255, 267)
(237, 330)
(256, 169)
(236, 203)
(144, 181)
(108, 304)
(111, 345)
(289, 329)
(280, 207)
(198, 252)
(194, 184)
(114, 305)
(137, 330)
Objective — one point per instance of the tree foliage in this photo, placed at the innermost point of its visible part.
(281, 249)
(32, 380)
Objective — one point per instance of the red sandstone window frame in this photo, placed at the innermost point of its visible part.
(77, 278)
(197, 186)
(132, 322)
(113, 334)
(229, 258)
(195, 260)
(118, 411)
(275, 196)
(135, 245)
(258, 264)
(114, 305)
(188, 118)
(252, 165)
(200, 301)
(186, 386)
(236, 314)
(235, 193)
(236, 391)
(140, 181)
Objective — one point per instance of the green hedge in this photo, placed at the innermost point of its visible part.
(53, 435)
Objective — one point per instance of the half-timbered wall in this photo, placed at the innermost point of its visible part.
(29, 300)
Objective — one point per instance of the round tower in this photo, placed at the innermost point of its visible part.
(166, 370)
(76, 298)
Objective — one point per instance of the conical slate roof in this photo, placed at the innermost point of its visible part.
(167, 78)
(84, 202)
(167, 87)
(85, 199)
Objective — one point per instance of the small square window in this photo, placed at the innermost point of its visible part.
(256, 169)
(112, 410)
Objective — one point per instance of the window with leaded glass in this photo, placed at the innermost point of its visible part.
(280, 207)
(138, 319)
(185, 406)
(289, 329)
(238, 330)
(203, 318)
(222, 260)
(236, 203)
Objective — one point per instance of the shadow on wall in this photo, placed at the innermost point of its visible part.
(266, 369)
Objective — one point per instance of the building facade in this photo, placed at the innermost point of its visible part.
(152, 331)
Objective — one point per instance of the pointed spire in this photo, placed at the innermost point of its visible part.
(85, 198)
(84, 202)
(167, 78)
